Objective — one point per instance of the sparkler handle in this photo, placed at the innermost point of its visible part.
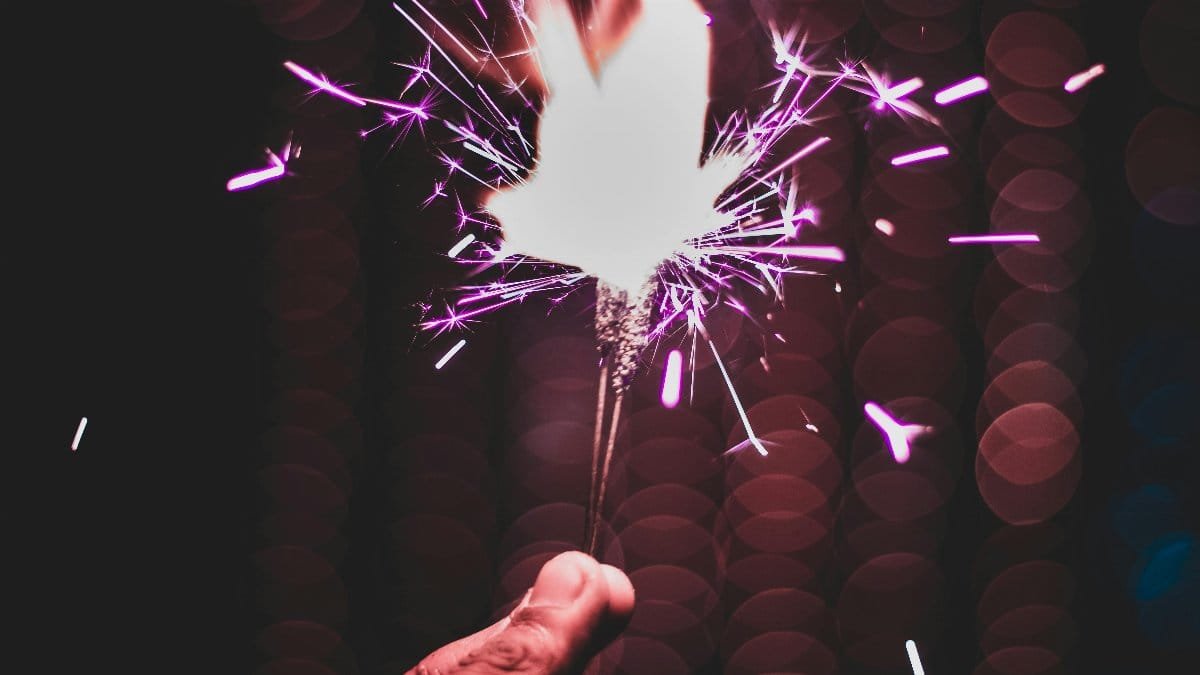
(597, 443)
(602, 484)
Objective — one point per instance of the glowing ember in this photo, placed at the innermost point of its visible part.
(450, 354)
(914, 658)
(921, 155)
(672, 379)
(78, 434)
(1080, 80)
(898, 435)
(995, 239)
(961, 90)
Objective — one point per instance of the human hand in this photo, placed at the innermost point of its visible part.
(574, 609)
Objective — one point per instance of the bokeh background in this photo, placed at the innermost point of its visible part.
(345, 508)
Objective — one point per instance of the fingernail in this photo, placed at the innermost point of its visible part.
(559, 583)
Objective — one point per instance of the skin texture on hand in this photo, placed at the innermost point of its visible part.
(574, 609)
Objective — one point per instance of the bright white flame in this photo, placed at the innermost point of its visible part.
(618, 186)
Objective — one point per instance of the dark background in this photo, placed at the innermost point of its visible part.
(143, 314)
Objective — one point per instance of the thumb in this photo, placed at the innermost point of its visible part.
(574, 604)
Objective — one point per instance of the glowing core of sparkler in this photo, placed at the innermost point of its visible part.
(618, 187)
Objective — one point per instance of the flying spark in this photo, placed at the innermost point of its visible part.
(885, 226)
(78, 434)
(995, 239)
(672, 379)
(892, 95)
(450, 354)
(461, 245)
(898, 435)
(1080, 80)
(921, 155)
(914, 658)
(251, 178)
(965, 89)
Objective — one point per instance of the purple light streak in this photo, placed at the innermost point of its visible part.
(250, 179)
(892, 95)
(1080, 80)
(898, 435)
(995, 239)
(921, 155)
(965, 89)
(672, 379)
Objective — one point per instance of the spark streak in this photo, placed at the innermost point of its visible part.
(672, 379)
(921, 155)
(995, 239)
(898, 435)
(251, 178)
(892, 95)
(957, 92)
(914, 658)
(78, 434)
(460, 246)
(450, 354)
(1080, 80)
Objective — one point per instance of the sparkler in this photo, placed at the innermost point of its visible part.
(618, 186)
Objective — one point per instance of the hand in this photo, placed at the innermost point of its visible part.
(574, 609)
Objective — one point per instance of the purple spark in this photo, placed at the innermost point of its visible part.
(892, 95)
(672, 379)
(921, 155)
(249, 179)
(995, 239)
(898, 435)
(957, 92)
(1080, 80)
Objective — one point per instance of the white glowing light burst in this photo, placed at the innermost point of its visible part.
(618, 189)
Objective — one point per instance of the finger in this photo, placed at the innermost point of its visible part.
(445, 659)
(574, 602)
